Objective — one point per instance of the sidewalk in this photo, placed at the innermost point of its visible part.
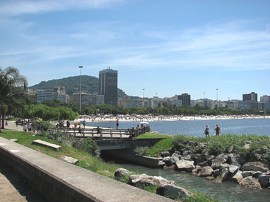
(7, 191)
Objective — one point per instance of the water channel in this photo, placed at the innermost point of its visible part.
(227, 191)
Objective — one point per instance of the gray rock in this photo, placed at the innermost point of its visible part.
(167, 161)
(225, 175)
(146, 180)
(235, 159)
(173, 192)
(196, 170)
(237, 177)
(205, 171)
(264, 180)
(219, 160)
(165, 154)
(250, 182)
(255, 166)
(255, 174)
(161, 163)
(233, 169)
(70, 160)
(185, 165)
(216, 173)
(122, 173)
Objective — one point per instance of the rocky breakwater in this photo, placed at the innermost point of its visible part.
(159, 185)
(249, 169)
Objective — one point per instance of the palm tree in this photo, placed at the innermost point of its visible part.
(12, 91)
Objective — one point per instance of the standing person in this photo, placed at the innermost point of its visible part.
(206, 131)
(83, 124)
(68, 124)
(25, 127)
(217, 129)
(117, 123)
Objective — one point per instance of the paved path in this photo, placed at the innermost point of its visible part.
(8, 192)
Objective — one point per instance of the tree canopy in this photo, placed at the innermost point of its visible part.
(12, 91)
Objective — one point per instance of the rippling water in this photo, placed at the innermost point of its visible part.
(196, 127)
(227, 191)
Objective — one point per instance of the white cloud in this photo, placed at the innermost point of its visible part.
(20, 7)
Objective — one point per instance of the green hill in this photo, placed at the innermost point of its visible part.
(89, 84)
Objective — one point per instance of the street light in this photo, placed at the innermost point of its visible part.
(80, 67)
(143, 98)
(217, 97)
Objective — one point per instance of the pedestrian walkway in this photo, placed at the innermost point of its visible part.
(7, 191)
(12, 126)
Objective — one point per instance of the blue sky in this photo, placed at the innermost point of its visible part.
(166, 47)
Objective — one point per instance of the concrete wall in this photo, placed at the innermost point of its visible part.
(58, 181)
(127, 156)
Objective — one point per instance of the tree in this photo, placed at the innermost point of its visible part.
(12, 91)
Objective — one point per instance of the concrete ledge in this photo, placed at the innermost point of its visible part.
(47, 144)
(57, 180)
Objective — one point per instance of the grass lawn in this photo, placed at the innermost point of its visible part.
(86, 160)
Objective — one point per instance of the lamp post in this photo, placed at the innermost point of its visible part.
(80, 67)
(217, 97)
(143, 98)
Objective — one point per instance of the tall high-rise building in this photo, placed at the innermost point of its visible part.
(186, 100)
(250, 97)
(108, 86)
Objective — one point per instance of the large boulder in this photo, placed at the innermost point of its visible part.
(173, 192)
(237, 177)
(185, 165)
(235, 159)
(264, 180)
(147, 180)
(165, 154)
(255, 166)
(233, 169)
(205, 171)
(220, 159)
(122, 174)
(255, 174)
(250, 182)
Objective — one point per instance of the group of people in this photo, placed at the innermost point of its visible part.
(217, 130)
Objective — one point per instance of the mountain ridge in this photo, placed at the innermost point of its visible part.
(89, 84)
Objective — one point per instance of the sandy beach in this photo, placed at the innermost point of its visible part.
(150, 118)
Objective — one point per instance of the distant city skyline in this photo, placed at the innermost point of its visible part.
(166, 48)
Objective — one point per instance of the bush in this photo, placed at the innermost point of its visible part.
(141, 151)
(87, 145)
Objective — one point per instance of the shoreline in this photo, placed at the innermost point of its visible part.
(149, 118)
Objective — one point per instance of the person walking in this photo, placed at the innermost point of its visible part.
(206, 131)
(217, 129)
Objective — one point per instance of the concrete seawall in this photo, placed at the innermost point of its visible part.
(57, 180)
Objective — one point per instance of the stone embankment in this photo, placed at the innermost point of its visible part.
(252, 171)
(162, 186)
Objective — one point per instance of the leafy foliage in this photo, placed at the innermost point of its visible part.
(141, 151)
(87, 145)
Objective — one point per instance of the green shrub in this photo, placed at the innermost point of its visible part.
(141, 151)
(87, 145)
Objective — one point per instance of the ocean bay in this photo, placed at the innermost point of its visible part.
(257, 126)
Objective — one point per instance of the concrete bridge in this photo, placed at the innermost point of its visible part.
(112, 139)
